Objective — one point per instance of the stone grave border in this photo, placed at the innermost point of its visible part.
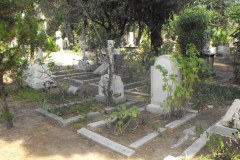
(71, 75)
(130, 149)
(68, 121)
(196, 146)
(138, 93)
(82, 81)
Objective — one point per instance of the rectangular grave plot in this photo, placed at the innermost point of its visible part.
(83, 108)
(137, 129)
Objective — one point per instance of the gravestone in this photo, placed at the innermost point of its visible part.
(158, 96)
(117, 86)
(232, 117)
(131, 39)
(59, 40)
(83, 64)
(73, 90)
(117, 89)
(102, 69)
(39, 76)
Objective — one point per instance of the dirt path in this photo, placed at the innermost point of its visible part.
(36, 138)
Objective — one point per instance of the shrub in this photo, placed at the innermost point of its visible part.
(124, 116)
(190, 27)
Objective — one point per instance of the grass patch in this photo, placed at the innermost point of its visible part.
(81, 123)
(78, 109)
(212, 94)
(26, 94)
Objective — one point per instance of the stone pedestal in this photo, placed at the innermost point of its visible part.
(117, 88)
(158, 96)
(38, 76)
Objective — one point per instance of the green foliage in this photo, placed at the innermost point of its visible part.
(124, 117)
(190, 27)
(5, 116)
(81, 123)
(206, 93)
(76, 48)
(199, 129)
(25, 94)
(140, 58)
(50, 45)
(76, 109)
(225, 149)
(190, 66)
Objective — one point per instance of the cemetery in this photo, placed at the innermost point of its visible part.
(137, 80)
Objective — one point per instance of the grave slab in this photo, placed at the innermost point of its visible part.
(106, 142)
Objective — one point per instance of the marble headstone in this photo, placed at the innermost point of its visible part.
(117, 87)
(158, 96)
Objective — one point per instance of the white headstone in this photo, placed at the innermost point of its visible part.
(131, 39)
(117, 88)
(59, 40)
(38, 76)
(40, 54)
(158, 96)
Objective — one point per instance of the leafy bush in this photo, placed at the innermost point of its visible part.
(190, 27)
(224, 149)
(51, 46)
(76, 48)
(124, 116)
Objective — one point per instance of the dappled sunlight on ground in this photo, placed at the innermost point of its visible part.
(36, 138)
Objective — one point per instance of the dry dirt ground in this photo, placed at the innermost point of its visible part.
(34, 137)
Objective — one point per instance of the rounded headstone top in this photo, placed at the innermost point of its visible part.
(58, 34)
(163, 59)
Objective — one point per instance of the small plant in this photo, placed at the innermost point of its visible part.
(231, 123)
(199, 129)
(124, 117)
(5, 116)
(225, 149)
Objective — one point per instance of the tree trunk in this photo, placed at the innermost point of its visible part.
(140, 31)
(3, 104)
(156, 39)
(32, 53)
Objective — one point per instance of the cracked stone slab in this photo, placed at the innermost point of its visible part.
(106, 142)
